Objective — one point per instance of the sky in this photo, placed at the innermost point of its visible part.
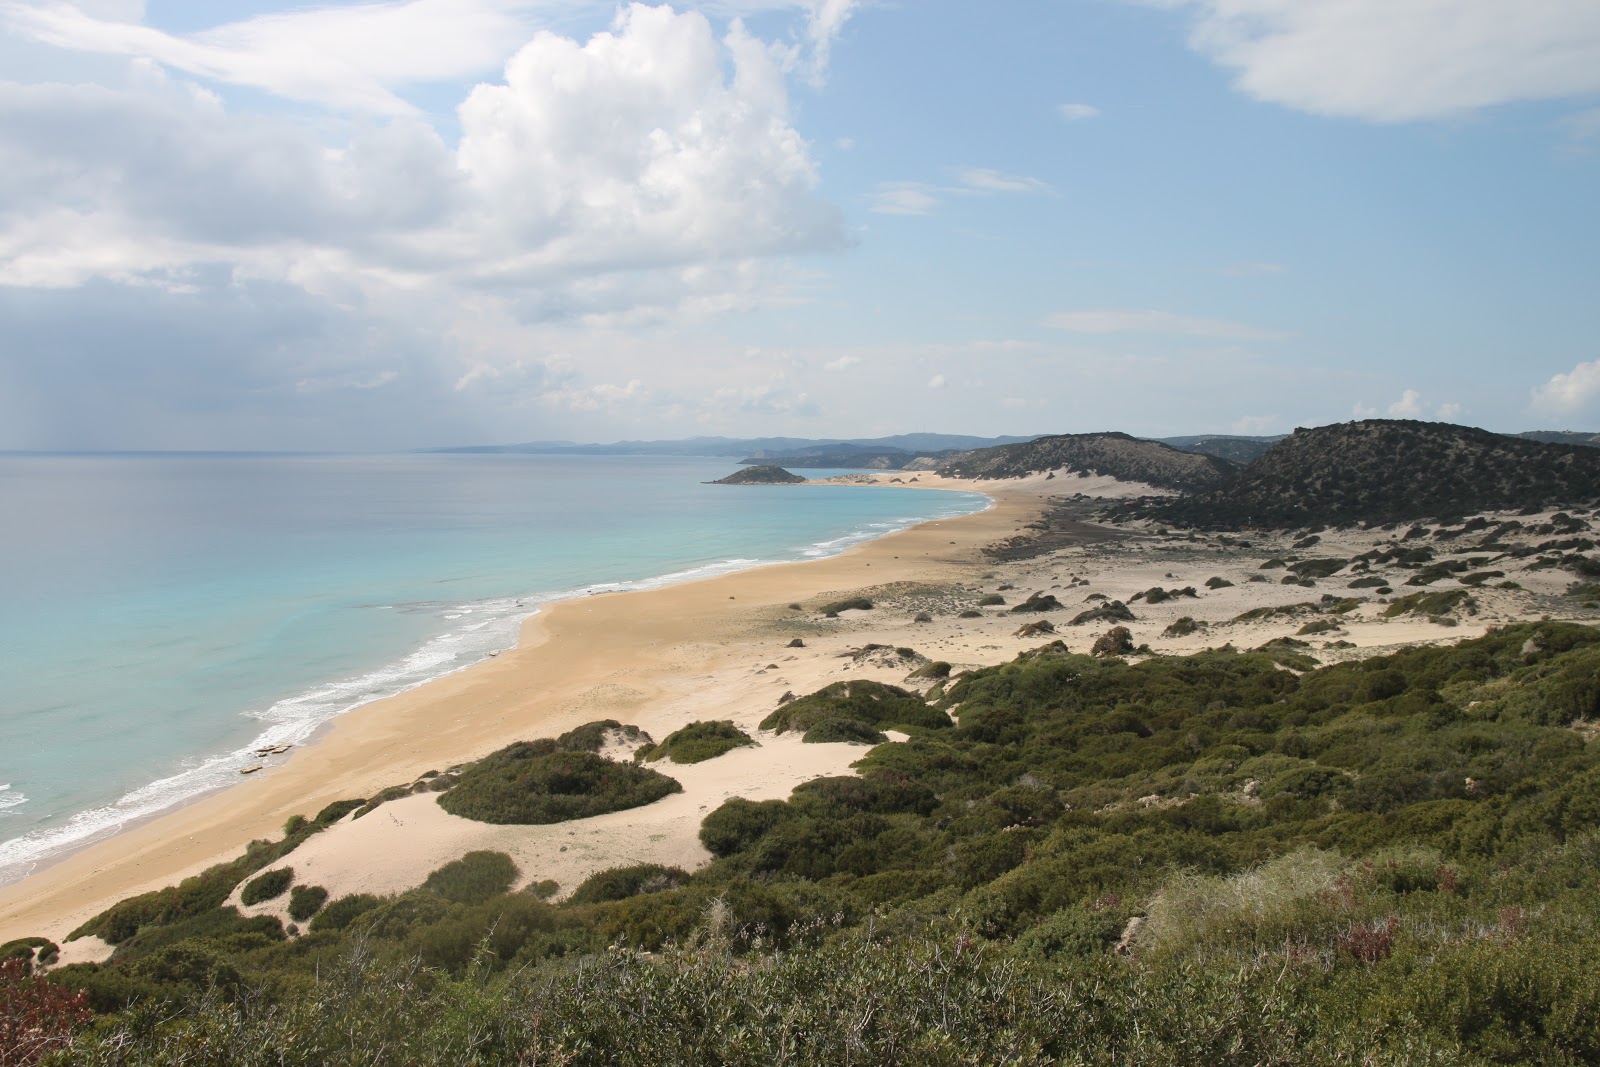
(413, 223)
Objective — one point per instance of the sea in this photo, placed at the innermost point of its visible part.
(162, 616)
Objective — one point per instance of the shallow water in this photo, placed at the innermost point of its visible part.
(163, 616)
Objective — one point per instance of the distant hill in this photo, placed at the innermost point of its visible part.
(763, 449)
(850, 459)
(1387, 470)
(760, 476)
(1562, 437)
(1116, 455)
(1240, 450)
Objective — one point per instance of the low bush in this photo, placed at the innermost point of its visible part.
(533, 783)
(871, 703)
(855, 603)
(305, 901)
(842, 731)
(266, 886)
(473, 878)
(344, 911)
(697, 742)
(1440, 603)
(619, 883)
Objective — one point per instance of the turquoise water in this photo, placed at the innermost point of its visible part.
(162, 616)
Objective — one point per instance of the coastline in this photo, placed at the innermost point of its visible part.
(607, 655)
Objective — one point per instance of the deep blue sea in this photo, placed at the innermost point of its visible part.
(161, 616)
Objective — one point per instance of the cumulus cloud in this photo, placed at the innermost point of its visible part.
(1256, 425)
(1122, 320)
(699, 171)
(1077, 112)
(1577, 391)
(937, 382)
(841, 363)
(1409, 406)
(353, 57)
(1400, 60)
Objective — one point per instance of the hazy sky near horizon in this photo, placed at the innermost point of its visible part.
(264, 225)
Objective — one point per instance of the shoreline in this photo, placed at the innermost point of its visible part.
(513, 623)
(472, 710)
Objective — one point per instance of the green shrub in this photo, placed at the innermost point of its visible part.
(699, 741)
(305, 901)
(266, 886)
(473, 878)
(1441, 603)
(991, 600)
(532, 783)
(620, 883)
(344, 911)
(1216, 582)
(1181, 627)
(855, 603)
(871, 703)
(846, 731)
(592, 736)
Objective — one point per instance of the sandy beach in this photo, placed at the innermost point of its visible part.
(644, 657)
(721, 648)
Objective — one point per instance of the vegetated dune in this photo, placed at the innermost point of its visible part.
(1115, 455)
(1389, 470)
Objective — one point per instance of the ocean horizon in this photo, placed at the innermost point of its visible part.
(168, 614)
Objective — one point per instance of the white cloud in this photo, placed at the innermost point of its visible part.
(351, 57)
(1256, 425)
(1577, 391)
(921, 198)
(992, 181)
(1254, 270)
(1409, 406)
(1401, 60)
(1448, 412)
(937, 382)
(1119, 320)
(1361, 411)
(1077, 112)
(841, 363)
(699, 174)
(904, 198)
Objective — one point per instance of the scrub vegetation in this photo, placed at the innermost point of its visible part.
(1197, 859)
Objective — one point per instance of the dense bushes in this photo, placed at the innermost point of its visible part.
(305, 901)
(620, 883)
(534, 782)
(1389, 860)
(872, 704)
(266, 886)
(696, 743)
(473, 878)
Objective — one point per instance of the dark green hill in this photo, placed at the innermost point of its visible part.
(1387, 470)
(760, 476)
(1562, 437)
(1116, 455)
(1236, 449)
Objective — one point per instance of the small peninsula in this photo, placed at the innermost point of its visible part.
(760, 476)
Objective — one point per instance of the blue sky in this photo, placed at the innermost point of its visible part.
(419, 222)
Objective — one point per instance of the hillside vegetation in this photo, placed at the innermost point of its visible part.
(1200, 859)
(1114, 455)
(1385, 470)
